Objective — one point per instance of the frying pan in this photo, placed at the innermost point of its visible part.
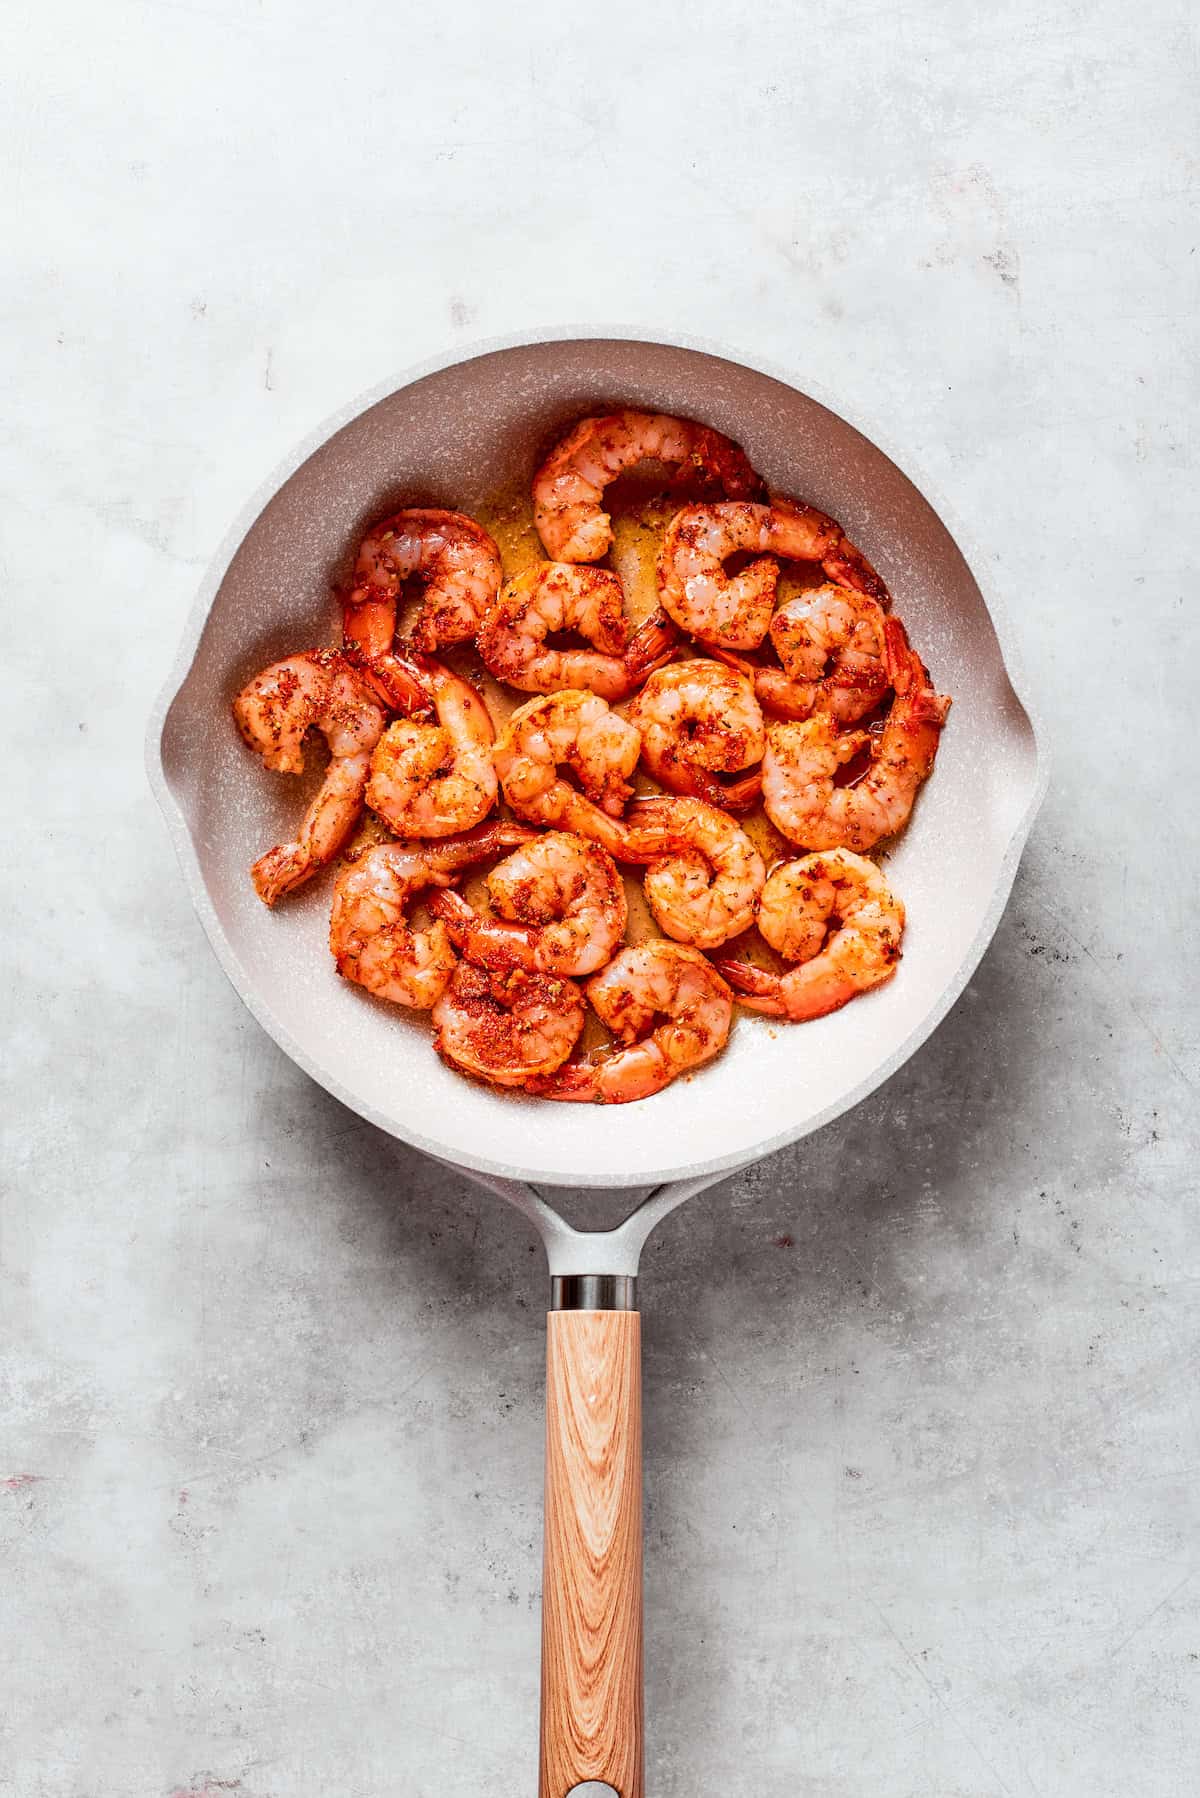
(450, 434)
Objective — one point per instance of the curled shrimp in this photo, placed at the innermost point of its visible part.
(562, 909)
(734, 610)
(558, 596)
(316, 690)
(800, 766)
(830, 645)
(834, 914)
(569, 485)
(508, 1026)
(370, 935)
(670, 1009)
(579, 734)
(699, 720)
(454, 559)
(434, 780)
(704, 887)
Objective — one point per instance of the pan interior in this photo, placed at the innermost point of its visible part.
(451, 439)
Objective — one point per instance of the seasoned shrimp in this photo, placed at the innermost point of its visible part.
(562, 909)
(558, 596)
(370, 936)
(315, 690)
(834, 914)
(570, 483)
(433, 780)
(669, 1007)
(577, 732)
(830, 646)
(800, 794)
(735, 610)
(703, 888)
(698, 720)
(508, 1026)
(452, 556)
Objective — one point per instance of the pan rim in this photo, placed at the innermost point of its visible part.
(188, 859)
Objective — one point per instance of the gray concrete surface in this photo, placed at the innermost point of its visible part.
(923, 1428)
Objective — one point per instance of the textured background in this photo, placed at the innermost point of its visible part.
(923, 1426)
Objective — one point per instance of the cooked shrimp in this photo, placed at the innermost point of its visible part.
(801, 762)
(433, 780)
(577, 732)
(558, 596)
(735, 610)
(703, 888)
(562, 909)
(570, 483)
(830, 645)
(670, 1008)
(370, 936)
(454, 559)
(835, 915)
(315, 690)
(698, 720)
(508, 1026)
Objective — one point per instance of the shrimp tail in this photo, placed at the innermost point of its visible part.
(652, 646)
(756, 989)
(281, 870)
(735, 796)
(458, 917)
(907, 673)
(849, 568)
(368, 621)
(648, 834)
(489, 942)
(730, 657)
(486, 839)
(396, 681)
(727, 465)
(851, 743)
(578, 1084)
(905, 669)
(619, 1078)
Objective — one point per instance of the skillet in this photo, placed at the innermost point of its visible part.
(450, 433)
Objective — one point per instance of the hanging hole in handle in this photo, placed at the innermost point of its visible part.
(593, 1788)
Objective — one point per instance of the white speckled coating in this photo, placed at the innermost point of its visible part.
(450, 437)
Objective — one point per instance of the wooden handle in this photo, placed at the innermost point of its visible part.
(592, 1580)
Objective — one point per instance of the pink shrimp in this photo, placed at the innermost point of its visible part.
(576, 734)
(734, 610)
(316, 690)
(452, 556)
(434, 780)
(800, 794)
(562, 909)
(671, 1011)
(558, 596)
(570, 483)
(835, 915)
(703, 886)
(371, 937)
(700, 721)
(508, 1026)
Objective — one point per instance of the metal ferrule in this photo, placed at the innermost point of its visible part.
(593, 1292)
